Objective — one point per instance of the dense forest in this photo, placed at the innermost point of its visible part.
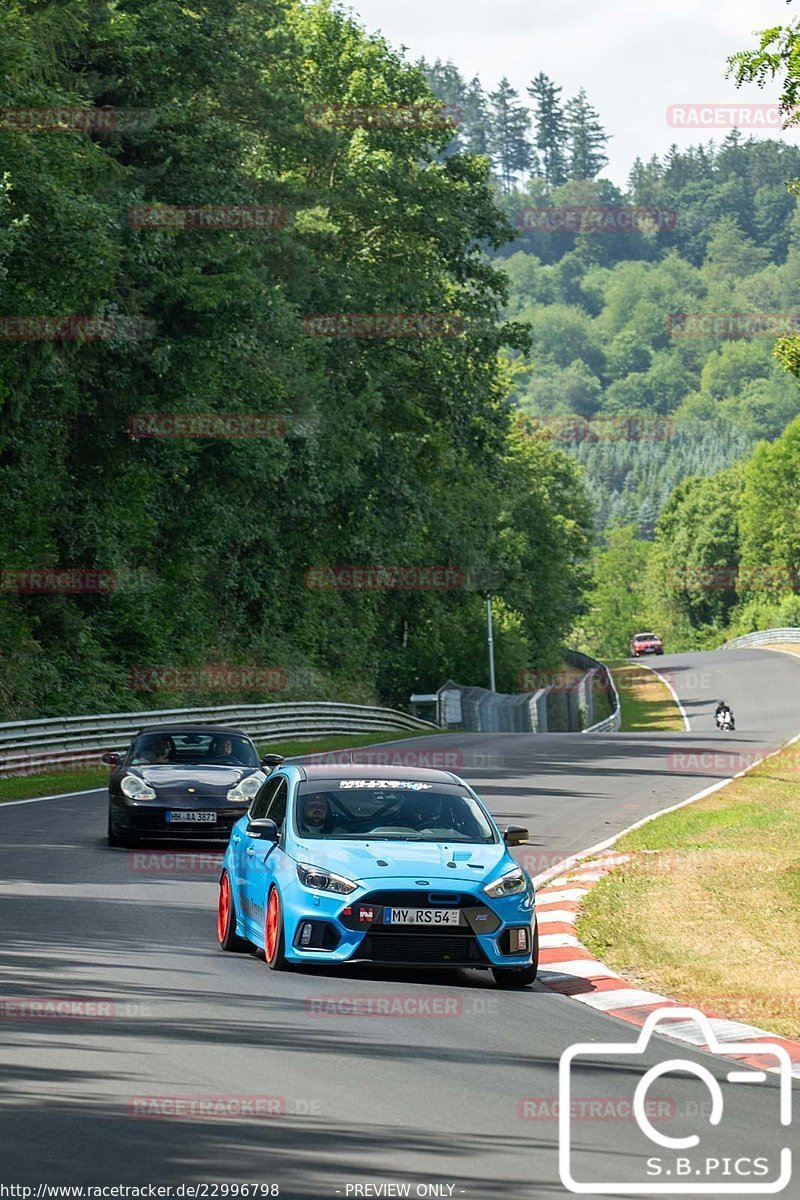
(421, 376)
(718, 232)
(725, 557)
(387, 451)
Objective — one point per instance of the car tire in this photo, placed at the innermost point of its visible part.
(227, 936)
(274, 933)
(519, 977)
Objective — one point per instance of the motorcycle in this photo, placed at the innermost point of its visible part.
(725, 721)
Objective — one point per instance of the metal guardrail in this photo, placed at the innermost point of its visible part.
(610, 724)
(762, 637)
(560, 709)
(30, 746)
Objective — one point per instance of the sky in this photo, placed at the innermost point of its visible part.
(636, 58)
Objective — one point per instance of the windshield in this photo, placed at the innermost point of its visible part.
(645, 637)
(226, 749)
(389, 810)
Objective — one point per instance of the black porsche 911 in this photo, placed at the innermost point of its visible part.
(182, 782)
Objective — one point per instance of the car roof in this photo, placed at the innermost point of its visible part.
(176, 727)
(637, 636)
(361, 771)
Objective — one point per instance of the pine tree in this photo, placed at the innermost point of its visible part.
(476, 127)
(509, 144)
(447, 84)
(551, 128)
(587, 138)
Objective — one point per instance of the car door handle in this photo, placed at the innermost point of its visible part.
(236, 838)
(250, 852)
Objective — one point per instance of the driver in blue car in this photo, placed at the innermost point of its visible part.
(315, 815)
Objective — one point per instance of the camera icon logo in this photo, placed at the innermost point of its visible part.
(688, 1175)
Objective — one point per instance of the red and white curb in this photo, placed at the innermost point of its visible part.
(567, 967)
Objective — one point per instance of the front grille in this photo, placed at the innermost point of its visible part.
(436, 947)
(476, 917)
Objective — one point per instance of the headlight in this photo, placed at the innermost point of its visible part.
(246, 788)
(510, 884)
(324, 881)
(136, 788)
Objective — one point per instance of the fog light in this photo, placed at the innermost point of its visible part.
(305, 934)
(518, 940)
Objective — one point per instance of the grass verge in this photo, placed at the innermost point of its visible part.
(786, 647)
(713, 918)
(25, 787)
(645, 700)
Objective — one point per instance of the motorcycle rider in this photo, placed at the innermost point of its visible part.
(722, 708)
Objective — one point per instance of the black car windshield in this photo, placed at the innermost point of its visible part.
(391, 810)
(645, 637)
(211, 749)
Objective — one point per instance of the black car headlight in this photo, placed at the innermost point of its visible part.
(136, 789)
(324, 881)
(246, 789)
(513, 883)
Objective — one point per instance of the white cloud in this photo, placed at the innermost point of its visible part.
(634, 57)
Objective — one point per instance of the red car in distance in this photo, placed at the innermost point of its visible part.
(646, 643)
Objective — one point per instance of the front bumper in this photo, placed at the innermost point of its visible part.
(352, 929)
(146, 820)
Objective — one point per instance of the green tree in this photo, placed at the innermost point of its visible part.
(616, 607)
(587, 138)
(509, 142)
(551, 128)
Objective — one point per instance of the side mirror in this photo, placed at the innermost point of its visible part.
(111, 758)
(516, 835)
(272, 760)
(263, 828)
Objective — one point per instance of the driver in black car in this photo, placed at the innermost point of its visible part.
(224, 751)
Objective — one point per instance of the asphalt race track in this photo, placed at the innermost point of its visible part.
(439, 1094)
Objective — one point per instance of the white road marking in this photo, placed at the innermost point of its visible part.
(57, 796)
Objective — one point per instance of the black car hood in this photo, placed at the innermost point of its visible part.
(173, 780)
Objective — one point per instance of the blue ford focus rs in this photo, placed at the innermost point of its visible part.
(353, 864)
